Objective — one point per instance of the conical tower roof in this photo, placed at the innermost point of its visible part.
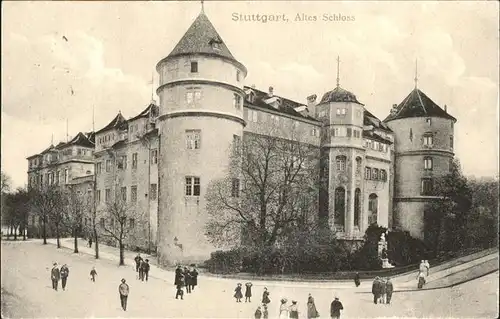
(202, 38)
(417, 104)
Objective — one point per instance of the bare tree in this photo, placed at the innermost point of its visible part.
(6, 182)
(271, 189)
(46, 202)
(77, 206)
(119, 215)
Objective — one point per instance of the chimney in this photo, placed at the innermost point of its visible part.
(311, 104)
(271, 91)
(445, 109)
(394, 109)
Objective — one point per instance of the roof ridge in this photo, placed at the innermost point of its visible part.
(421, 102)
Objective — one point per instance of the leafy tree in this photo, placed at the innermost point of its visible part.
(270, 190)
(17, 211)
(6, 182)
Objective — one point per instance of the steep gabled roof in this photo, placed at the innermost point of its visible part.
(417, 104)
(150, 111)
(80, 140)
(115, 123)
(370, 119)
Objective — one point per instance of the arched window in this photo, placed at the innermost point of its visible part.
(358, 165)
(357, 206)
(339, 216)
(372, 209)
(428, 163)
(341, 162)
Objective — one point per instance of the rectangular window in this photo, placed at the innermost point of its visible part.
(192, 186)
(194, 67)
(98, 168)
(66, 176)
(235, 187)
(338, 111)
(193, 139)
(131, 223)
(134, 160)
(133, 194)
(427, 186)
(368, 173)
(124, 194)
(153, 192)
(237, 101)
(98, 196)
(314, 132)
(108, 166)
(154, 156)
(107, 195)
(122, 162)
(428, 163)
(193, 96)
(375, 145)
(349, 132)
(428, 140)
(451, 141)
(344, 111)
(375, 174)
(236, 143)
(252, 116)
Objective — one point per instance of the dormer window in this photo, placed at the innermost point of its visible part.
(216, 44)
(194, 66)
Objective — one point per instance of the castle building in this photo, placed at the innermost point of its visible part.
(162, 160)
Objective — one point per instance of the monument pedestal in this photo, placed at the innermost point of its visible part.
(386, 264)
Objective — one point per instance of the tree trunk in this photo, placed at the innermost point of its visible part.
(76, 241)
(44, 231)
(122, 257)
(57, 236)
(15, 233)
(25, 230)
(96, 244)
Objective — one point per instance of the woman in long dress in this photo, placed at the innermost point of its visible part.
(265, 297)
(283, 309)
(312, 312)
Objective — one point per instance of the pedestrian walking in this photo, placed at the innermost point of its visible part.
(93, 273)
(145, 269)
(90, 242)
(64, 275)
(283, 309)
(421, 266)
(248, 291)
(194, 278)
(427, 267)
(388, 290)
(265, 297)
(179, 283)
(55, 276)
(258, 313)
(294, 311)
(123, 290)
(382, 290)
(237, 293)
(137, 260)
(265, 313)
(356, 279)
(312, 312)
(335, 308)
(187, 279)
(421, 279)
(376, 290)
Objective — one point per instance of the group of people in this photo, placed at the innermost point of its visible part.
(423, 272)
(382, 290)
(57, 274)
(248, 292)
(185, 278)
(292, 311)
(142, 267)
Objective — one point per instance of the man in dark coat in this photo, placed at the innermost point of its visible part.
(145, 269)
(64, 275)
(194, 278)
(388, 290)
(179, 282)
(356, 279)
(376, 290)
(137, 260)
(187, 279)
(141, 270)
(123, 289)
(55, 276)
(335, 308)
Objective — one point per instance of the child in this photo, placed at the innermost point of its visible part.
(93, 273)
(265, 296)
(258, 313)
(180, 284)
(237, 293)
(265, 313)
(248, 291)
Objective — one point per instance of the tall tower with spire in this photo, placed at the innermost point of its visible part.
(201, 114)
(423, 152)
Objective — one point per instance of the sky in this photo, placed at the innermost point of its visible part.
(62, 60)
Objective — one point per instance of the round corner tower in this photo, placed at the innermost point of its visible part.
(201, 113)
(423, 152)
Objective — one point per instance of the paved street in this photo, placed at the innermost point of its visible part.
(27, 292)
